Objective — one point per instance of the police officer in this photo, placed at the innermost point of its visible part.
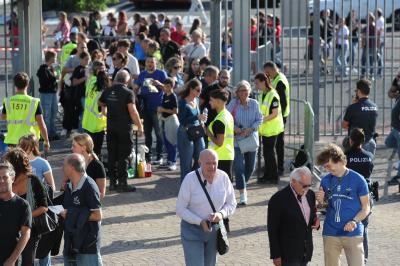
(271, 127)
(362, 114)
(280, 83)
(360, 161)
(23, 114)
(121, 111)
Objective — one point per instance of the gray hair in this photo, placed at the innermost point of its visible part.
(122, 77)
(298, 172)
(8, 166)
(243, 84)
(211, 70)
(77, 162)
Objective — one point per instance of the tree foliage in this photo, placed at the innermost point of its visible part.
(76, 5)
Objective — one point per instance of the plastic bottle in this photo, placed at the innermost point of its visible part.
(147, 172)
(141, 169)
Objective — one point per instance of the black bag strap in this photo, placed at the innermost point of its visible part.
(205, 190)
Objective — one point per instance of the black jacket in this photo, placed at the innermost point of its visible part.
(290, 237)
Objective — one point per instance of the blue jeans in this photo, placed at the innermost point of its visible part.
(393, 141)
(50, 109)
(244, 165)
(84, 260)
(46, 261)
(351, 57)
(171, 150)
(199, 247)
(188, 151)
(151, 122)
(340, 58)
(380, 59)
(370, 146)
(367, 61)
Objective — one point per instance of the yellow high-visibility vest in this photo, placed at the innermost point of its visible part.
(93, 120)
(21, 119)
(66, 52)
(282, 77)
(227, 150)
(275, 126)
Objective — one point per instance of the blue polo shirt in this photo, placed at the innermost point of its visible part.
(152, 100)
(362, 114)
(86, 195)
(343, 196)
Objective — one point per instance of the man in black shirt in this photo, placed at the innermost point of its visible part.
(121, 111)
(15, 218)
(168, 48)
(154, 28)
(210, 75)
(362, 114)
(82, 214)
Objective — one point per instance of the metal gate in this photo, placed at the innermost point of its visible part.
(308, 41)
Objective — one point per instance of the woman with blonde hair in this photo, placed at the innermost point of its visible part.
(40, 167)
(83, 144)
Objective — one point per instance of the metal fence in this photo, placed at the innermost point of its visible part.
(310, 48)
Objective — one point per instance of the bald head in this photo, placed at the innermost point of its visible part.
(76, 162)
(207, 154)
(209, 163)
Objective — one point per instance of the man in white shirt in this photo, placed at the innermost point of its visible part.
(196, 49)
(380, 39)
(133, 65)
(199, 222)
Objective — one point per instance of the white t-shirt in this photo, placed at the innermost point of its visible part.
(380, 27)
(343, 36)
(195, 51)
(133, 65)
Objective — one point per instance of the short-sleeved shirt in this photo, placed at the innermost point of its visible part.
(39, 110)
(362, 114)
(169, 102)
(116, 99)
(152, 100)
(14, 214)
(274, 103)
(343, 196)
(360, 161)
(395, 115)
(85, 195)
(195, 51)
(169, 50)
(133, 65)
(95, 170)
(39, 192)
(40, 167)
(73, 62)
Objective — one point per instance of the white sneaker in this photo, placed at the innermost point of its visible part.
(172, 167)
(63, 132)
(354, 71)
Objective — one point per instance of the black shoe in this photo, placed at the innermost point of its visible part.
(262, 181)
(394, 181)
(113, 187)
(126, 188)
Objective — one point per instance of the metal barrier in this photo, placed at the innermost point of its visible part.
(313, 47)
(299, 133)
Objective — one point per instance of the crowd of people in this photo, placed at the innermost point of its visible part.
(163, 83)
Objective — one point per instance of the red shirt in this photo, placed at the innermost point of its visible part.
(253, 34)
(178, 36)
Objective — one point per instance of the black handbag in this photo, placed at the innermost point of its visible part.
(222, 233)
(43, 223)
(195, 132)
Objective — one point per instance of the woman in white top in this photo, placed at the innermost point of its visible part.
(40, 167)
(342, 47)
(199, 222)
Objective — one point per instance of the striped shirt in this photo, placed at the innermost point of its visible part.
(248, 116)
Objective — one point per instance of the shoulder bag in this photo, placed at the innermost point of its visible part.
(195, 132)
(222, 234)
(43, 224)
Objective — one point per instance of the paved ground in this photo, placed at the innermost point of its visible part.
(142, 229)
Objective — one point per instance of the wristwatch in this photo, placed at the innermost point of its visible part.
(355, 220)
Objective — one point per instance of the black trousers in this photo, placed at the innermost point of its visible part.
(98, 139)
(226, 166)
(29, 253)
(119, 147)
(271, 167)
(280, 149)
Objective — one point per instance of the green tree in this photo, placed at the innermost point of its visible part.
(76, 5)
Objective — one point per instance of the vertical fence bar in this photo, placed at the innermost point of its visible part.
(360, 40)
(350, 52)
(274, 32)
(333, 70)
(298, 64)
(316, 56)
(266, 31)
(307, 51)
(226, 33)
(258, 38)
(5, 45)
(384, 71)
(326, 112)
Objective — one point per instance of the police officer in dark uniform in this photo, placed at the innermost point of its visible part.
(362, 114)
(121, 111)
(360, 161)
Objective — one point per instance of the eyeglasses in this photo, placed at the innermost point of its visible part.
(304, 185)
